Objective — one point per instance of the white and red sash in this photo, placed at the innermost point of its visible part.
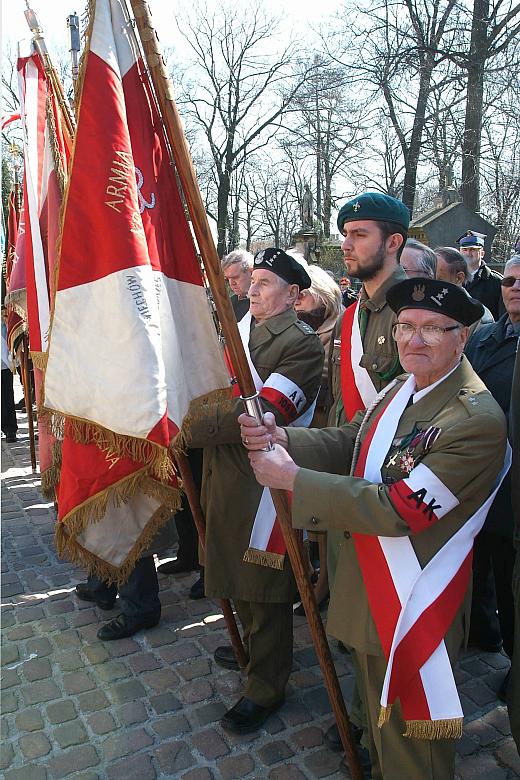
(412, 607)
(357, 389)
(267, 545)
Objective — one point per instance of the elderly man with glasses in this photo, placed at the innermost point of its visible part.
(409, 482)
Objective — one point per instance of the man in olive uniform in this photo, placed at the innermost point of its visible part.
(374, 227)
(410, 481)
(287, 362)
(485, 283)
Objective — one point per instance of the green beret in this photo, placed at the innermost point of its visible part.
(375, 206)
(435, 295)
(284, 266)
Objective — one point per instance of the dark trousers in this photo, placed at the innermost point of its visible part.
(139, 596)
(493, 563)
(188, 551)
(9, 424)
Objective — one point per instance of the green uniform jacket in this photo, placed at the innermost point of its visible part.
(467, 457)
(230, 493)
(380, 356)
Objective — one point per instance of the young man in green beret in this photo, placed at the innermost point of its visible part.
(364, 358)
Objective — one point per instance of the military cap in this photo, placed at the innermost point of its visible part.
(435, 295)
(375, 206)
(283, 265)
(472, 239)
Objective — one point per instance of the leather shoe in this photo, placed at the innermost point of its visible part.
(247, 716)
(364, 760)
(177, 567)
(197, 589)
(84, 593)
(123, 626)
(225, 656)
(333, 740)
(10, 438)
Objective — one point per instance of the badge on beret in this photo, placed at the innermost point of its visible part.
(259, 256)
(356, 207)
(418, 292)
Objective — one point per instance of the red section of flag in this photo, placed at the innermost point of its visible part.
(352, 400)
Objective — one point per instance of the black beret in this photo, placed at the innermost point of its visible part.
(435, 295)
(376, 206)
(284, 266)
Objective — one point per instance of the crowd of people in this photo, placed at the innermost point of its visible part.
(387, 418)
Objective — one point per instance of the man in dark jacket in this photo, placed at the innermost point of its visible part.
(492, 351)
(485, 283)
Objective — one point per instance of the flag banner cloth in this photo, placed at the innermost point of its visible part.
(46, 154)
(412, 607)
(15, 299)
(133, 350)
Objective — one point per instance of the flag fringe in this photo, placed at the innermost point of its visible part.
(94, 509)
(450, 728)
(59, 167)
(114, 445)
(264, 558)
(39, 359)
(68, 547)
(12, 299)
(384, 715)
(51, 476)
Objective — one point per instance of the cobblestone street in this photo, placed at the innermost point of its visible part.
(149, 706)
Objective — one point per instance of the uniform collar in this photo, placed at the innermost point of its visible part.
(378, 300)
(463, 381)
(279, 322)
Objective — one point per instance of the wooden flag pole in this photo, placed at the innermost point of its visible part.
(27, 393)
(175, 134)
(196, 510)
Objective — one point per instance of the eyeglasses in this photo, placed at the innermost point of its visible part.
(429, 334)
(509, 281)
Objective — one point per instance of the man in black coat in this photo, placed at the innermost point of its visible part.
(492, 351)
(485, 283)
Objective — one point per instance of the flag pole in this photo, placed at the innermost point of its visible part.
(196, 510)
(27, 392)
(175, 134)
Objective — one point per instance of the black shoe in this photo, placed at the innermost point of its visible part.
(20, 406)
(332, 738)
(123, 626)
(225, 656)
(84, 593)
(247, 716)
(364, 760)
(177, 567)
(197, 589)
(10, 438)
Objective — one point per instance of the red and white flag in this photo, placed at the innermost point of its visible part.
(133, 348)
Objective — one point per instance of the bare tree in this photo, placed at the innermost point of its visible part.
(240, 91)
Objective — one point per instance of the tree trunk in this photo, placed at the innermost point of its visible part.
(475, 92)
(224, 187)
(414, 147)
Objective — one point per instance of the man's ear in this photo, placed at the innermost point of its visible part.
(394, 242)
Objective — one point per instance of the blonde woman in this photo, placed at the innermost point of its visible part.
(320, 307)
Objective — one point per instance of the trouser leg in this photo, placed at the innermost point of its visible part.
(184, 523)
(101, 589)
(513, 692)
(393, 756)
(503, 563)
(484, 625)
(140, 594)
(268, 638)
(9, 423)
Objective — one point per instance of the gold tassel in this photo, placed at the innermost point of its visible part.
(384, 715)
(264, 558)
(450, 728)
(39, 359)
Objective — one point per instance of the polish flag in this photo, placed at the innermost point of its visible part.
(133, 349)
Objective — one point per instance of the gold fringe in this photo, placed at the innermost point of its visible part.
(157, 458)
(14, 298)
(384, 715)
(264, 558)
(39, 359)
(68, 547)
(450, 728)
(51, 476)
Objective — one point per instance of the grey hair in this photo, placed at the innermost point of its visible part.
(325, 290)
(427, 259)
(513, 260)
(238, 256)
(455, 260)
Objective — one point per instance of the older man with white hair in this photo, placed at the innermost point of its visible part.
(237, 267)
(409, 482)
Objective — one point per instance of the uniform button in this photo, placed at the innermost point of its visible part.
(374, 366)
(346, 534)
(315, 520)
(211, 429)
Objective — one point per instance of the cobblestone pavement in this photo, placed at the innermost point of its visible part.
(149, 706)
